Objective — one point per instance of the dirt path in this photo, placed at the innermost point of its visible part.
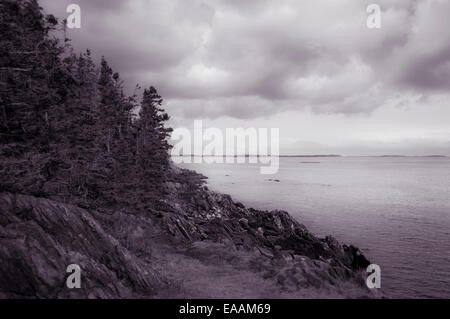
(207, 270)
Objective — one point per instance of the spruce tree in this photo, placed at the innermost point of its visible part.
(29, 90)
(67, 130)
(152, 159)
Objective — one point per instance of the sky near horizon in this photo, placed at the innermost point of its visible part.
(313, 69)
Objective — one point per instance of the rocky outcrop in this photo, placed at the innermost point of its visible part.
(212, 216)
(39, 238)
(125, 255)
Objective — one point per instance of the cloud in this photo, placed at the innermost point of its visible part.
(248, 59)
(424, 61)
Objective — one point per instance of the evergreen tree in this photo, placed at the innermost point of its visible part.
(79, 133)
(152, 158)
(114, 135)
(66, 127)
(29, 89)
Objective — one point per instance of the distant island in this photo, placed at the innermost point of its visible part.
(248, 155)
(310, 156)
(411, 156)
(324, 155)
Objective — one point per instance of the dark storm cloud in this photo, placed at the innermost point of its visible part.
(248, 59)
(102, 5)
(430, 72)
(133, 35)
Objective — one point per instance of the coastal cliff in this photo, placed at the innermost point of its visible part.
(86, 178)
(201, 238)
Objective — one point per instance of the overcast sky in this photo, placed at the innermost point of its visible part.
(311, 68)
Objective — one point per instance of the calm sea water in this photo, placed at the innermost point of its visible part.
(397, 210)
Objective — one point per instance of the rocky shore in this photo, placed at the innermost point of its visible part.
(202, 245)
(86, 178)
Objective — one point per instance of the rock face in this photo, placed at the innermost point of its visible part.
(124, 255)
(216, 217)
(39, 238)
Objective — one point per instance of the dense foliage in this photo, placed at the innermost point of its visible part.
(67, 130)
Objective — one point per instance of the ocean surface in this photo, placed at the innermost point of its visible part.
(396, 209)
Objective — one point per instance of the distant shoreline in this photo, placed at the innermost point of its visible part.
(316, 156)
(410, 156)
(192, 155)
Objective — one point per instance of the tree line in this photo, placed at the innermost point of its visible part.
(67, 129)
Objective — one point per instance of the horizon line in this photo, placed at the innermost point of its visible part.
(308, 155)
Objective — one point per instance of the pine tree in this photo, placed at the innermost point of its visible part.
(79, 133)
(67, 129)
(29, 88)
(152, 159)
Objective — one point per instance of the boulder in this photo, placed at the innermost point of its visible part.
(40, 238)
